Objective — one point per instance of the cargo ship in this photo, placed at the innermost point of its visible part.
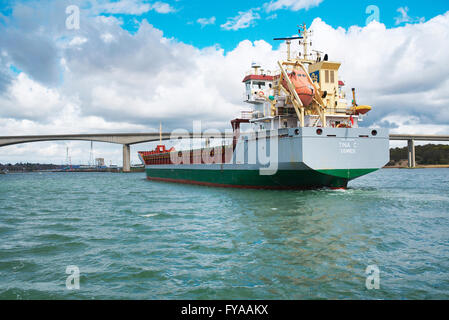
(298, 133)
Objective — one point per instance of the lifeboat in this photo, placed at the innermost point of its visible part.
(362, 109)
(303, 86)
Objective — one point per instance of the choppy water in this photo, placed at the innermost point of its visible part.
(136, 239)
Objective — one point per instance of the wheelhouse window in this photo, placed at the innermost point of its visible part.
(259, 85)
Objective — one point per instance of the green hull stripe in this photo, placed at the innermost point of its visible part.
(252, 178)
(347, 173)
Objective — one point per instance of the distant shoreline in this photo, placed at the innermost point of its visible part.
(424, 166)
(113, 170)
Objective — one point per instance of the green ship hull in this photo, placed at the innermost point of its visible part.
(251, 179)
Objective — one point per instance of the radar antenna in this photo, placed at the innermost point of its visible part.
(288, 41)
(304, 35)
(318, 55)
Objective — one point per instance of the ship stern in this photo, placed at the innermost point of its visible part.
(344, 154)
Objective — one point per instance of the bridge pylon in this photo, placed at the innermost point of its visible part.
(126, 158)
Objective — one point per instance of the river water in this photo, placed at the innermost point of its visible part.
(135, 239)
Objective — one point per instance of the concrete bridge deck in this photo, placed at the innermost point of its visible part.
(128, 139)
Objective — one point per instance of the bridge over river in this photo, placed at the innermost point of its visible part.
(411, 138)
(128, 139)
(125, 139)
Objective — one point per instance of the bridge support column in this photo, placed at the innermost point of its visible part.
(126, 158)
(411, 154)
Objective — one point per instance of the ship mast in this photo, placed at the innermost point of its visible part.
(305, 33)
(288, 41)
(297, 63)
(160, 133)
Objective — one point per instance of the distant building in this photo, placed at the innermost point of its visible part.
(99, 162)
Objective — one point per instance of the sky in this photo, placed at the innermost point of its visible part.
(130, 64)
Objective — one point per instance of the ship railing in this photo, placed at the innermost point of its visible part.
(337, 110)
(260, 72)
(246, 115)
(252, 98)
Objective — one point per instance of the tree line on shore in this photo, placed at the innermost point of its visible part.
(429, 154)
(28, 167)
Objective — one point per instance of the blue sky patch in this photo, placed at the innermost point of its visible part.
(14, 69)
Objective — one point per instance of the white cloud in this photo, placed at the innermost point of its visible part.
(293, 5)
(242, 20)
(133, 7)
(206, 21)
(405, 18)
(392, 69)
(130, 85)
(401, 123)
(27, 99)
(107, 37)
(246, 19)
(162, 7)
(77, 41)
